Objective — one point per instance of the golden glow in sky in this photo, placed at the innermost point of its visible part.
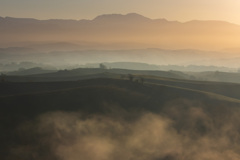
(181, 10)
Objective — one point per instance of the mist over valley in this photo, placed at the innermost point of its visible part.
(119, 87)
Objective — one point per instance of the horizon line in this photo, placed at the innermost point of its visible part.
(119, 14)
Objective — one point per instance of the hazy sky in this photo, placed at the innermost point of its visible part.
(181, 10)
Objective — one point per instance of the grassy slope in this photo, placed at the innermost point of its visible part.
(88, 73)
(91, 93)
(115, 97)
(226, 89)
(217, 76)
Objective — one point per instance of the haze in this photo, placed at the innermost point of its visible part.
(119, 80)
(184, 10)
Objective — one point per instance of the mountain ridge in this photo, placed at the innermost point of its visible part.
(123, 29)
(116, 15)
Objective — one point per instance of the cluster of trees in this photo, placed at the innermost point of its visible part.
(135, 79)
(102, 66)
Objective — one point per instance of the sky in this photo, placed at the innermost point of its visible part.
(180, 10)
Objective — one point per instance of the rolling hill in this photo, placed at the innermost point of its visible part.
(120, 115)
(88, 73)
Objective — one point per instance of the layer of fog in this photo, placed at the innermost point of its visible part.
(180, 132)
(151, 56)
(12, 59)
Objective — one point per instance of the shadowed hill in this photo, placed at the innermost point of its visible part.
(30, 71)
(71, 78)
(88, 73)
(222, 88)
(91, 95)
(103, 109)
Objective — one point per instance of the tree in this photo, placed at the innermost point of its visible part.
(130, 77)
(102, 66)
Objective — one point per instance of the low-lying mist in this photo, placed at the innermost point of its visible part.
(182, 131)
(13, 59)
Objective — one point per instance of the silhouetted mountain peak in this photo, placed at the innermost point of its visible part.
(120, 17)
(137, 16)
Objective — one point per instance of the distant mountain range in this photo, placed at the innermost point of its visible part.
(119, 31)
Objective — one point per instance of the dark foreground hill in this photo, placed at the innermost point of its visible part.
(118, 119)
(89, 73)
(41, 75)
(16, 85)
